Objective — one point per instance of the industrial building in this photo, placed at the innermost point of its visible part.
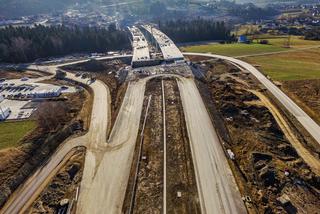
(46, 92)
(30, 91)
(170, 51)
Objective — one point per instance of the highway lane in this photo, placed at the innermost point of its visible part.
(107, 166)
(25, 195)
(106, 190)
(217, 189)
(310, 125)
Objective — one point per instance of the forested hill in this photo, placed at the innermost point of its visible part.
(195, 30)
(25, 44)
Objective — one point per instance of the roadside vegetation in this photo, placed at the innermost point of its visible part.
(235, 49)
(11, 133)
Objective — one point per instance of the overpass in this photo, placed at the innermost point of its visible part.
(170, 51)
(141, 54)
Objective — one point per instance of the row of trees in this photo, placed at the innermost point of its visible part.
(24, 44)
(313, 34)
(195, 30)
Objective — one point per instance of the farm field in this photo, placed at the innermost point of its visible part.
(276, 44)
(300, 65)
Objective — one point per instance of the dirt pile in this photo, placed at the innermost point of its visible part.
(266, 165)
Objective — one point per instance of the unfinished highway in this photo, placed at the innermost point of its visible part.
(108, 161)
(217, 189)
(104, 192)
(312, 127)
(28, 192)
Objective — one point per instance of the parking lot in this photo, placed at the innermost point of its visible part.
(19, 93)
(17, 109)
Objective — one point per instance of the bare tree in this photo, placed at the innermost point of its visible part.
(52, 114)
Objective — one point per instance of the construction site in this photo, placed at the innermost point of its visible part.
(192, 133)
(272, 163)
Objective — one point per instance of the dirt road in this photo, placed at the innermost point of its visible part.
(312, 161)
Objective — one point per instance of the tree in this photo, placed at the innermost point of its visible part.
(196, 30)
(51, 115)
(24, 44)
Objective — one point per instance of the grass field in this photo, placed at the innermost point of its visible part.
(233, 49)
(12, 132)
(300, 65)
(276, 44)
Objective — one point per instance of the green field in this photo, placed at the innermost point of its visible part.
(295, 42)
(298, 65)
(233, 49)
(12, 132)
(295, 65)
(276, 44)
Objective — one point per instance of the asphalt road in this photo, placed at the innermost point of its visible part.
(217, 189)
(312, 127)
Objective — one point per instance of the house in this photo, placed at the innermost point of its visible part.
(243, 39)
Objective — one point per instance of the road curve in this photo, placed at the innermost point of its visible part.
(104, 192)
(25, 194)
(312, 127)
